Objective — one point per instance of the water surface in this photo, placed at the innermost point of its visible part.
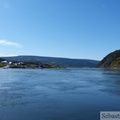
(58, 94)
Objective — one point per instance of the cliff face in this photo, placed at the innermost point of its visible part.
(112, 60)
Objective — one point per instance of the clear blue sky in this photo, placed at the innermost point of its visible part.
(87, 29)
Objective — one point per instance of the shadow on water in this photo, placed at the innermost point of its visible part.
(111, 81)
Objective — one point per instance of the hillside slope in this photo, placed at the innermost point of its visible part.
(53, 60)
(112, 60)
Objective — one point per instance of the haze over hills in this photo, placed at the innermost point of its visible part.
(112, 60)
(54, 60)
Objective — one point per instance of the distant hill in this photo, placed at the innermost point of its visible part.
(54, 60)
(2, 59)
(112, 60)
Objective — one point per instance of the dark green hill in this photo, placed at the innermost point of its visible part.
(112, 60)
(55, 61)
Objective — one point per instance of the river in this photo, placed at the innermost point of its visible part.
(58, 94)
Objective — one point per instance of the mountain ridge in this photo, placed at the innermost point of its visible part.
(68, 62)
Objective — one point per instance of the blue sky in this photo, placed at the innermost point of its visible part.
(87, 29)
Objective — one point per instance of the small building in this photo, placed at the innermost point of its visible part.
(10, 63)
(4, 62)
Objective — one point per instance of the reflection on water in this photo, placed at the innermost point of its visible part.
(58, 94)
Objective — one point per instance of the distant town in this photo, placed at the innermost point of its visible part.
(17, 64)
